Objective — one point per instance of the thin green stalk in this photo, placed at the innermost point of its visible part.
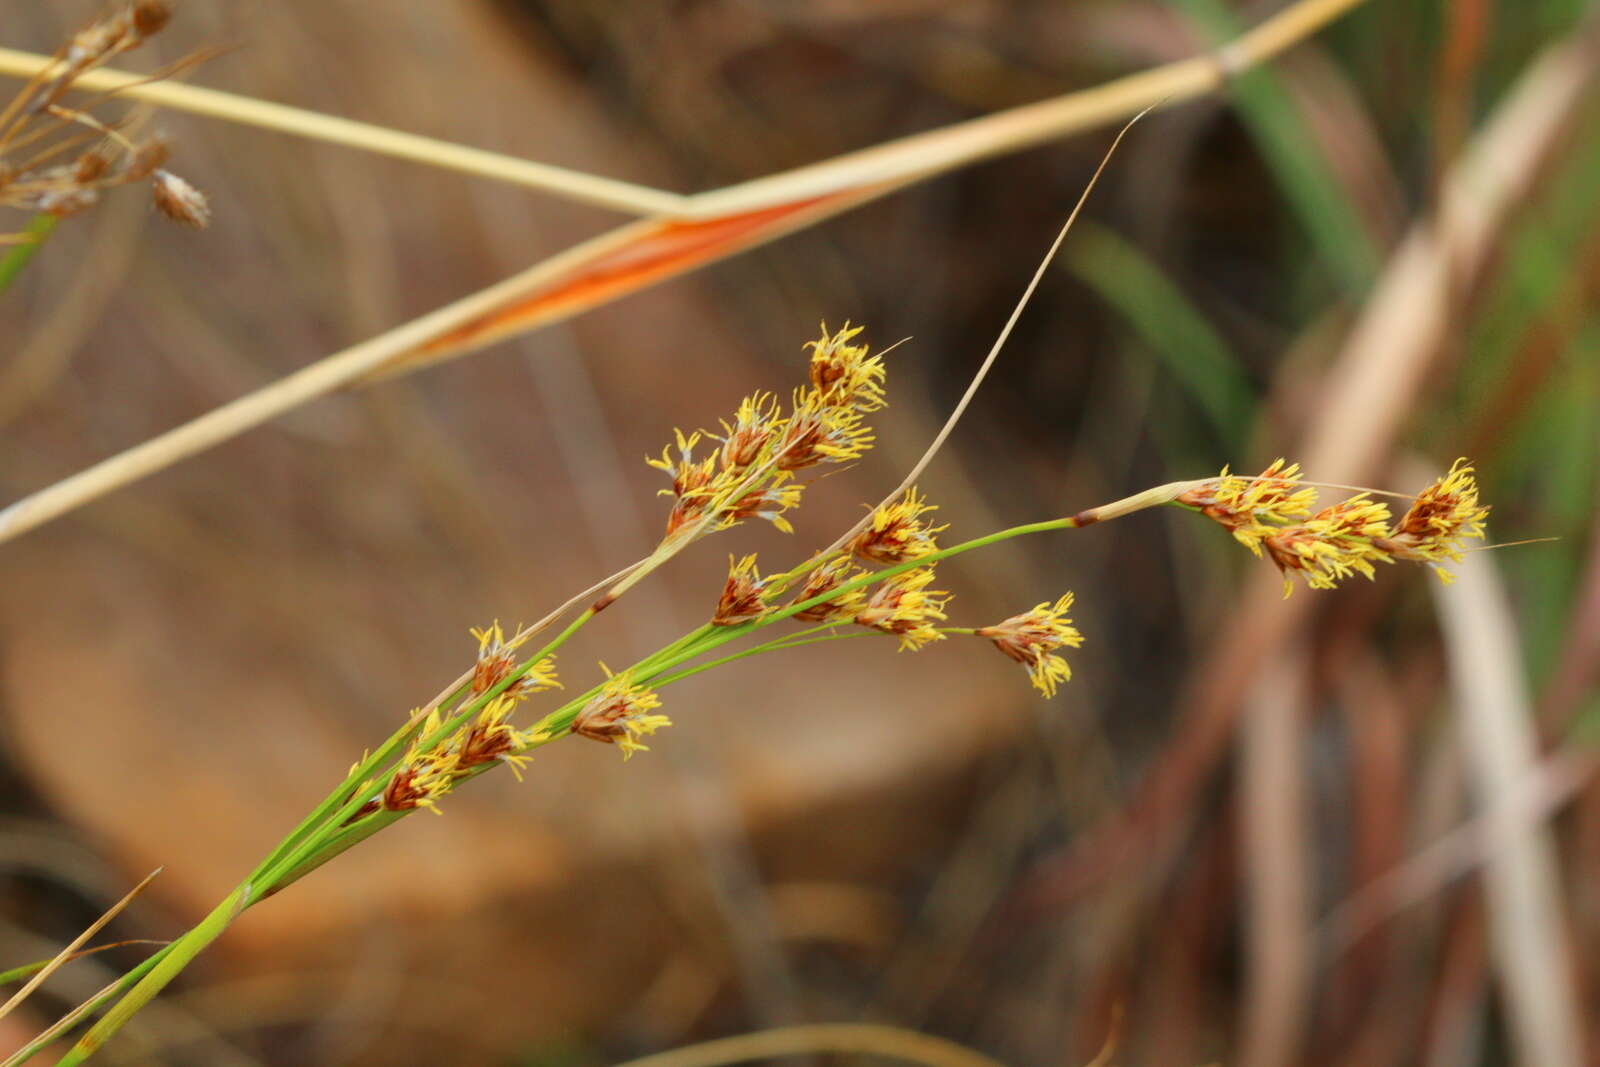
(657, 682)
(171, 961)
(39, 228)
(559, 720)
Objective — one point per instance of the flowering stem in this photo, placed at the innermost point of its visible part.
(297, 859)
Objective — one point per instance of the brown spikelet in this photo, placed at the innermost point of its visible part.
(150, 17)
(180, 201)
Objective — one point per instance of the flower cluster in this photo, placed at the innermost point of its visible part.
(1032, 639)
(751, 474)
(1440, 518)
(904, 605)
(620, 714)
(897, 533)
(1271, 515)
(497, 659)
(426, 774)
(742, 597)
(823, 579)
(45, 165)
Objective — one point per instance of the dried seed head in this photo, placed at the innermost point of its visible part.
(1032, 638)
(149, 17)
(66, 200)
(146, 159)
(180, 201)
(897, 532)
(91, 45)
(90, 167)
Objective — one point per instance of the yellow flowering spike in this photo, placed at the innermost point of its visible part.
(1440, 518)
(489, 737)
(843, 374)
(421, 782)
(897, 532)
(620, 714)
(741, 599)
(1337, 542)
(904, 605)
(1032, 639)
(825, 579)
(497, 659)
(819, 432)
(1251, 507)
(754, 428)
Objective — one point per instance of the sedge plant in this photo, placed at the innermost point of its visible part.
(876, 580)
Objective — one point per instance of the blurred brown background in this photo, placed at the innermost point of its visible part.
(841, 833)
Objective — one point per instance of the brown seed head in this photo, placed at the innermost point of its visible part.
(150, 17)
(90, 167)
(146, 160)
(180, 201)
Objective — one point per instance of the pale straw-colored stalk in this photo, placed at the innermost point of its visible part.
(644, 252)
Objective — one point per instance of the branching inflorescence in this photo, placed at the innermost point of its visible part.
(57, 158)
(751, 470)
(877, 579)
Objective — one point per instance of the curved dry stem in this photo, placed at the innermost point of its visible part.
(870, 1039)
(645, 252)
(571, 184)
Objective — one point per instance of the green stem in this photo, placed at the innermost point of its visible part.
(40, 227)
(657, 681)
(167, 966)
(45, 1040)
